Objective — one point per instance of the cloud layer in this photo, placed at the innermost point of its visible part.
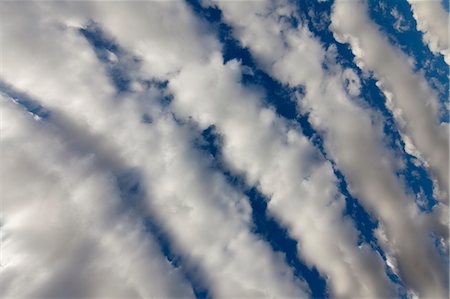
(110, 190)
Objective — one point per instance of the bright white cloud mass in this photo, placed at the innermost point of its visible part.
(224, 149)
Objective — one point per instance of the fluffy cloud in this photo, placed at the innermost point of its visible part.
(353, 135)
(285, 166)
(414, 104)
(82, 181)
(57, 240)
(433, 21)
(206, 220)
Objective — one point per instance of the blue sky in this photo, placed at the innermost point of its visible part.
(225, 150)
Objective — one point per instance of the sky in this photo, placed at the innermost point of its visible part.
(224, 149)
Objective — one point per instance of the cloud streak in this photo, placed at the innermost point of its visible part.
(413, 103)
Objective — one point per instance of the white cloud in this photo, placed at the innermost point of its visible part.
(433, 21)
(62, 171)
(353, 135)
(164, 34)
(301, 186)
(59, 242)
(410, 95)
(205, 218)
(414, 106)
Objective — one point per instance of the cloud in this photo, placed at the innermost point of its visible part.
(433, 21)
(56, 240)
(415, 110)
(414, 104)
(301, 186)
(207, 221)
(101, 162)
(401, 25)
(351, 82)
(164, 45)
(353, 135)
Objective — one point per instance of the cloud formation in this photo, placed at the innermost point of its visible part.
(433, 21)
(359, 152)
(413, 103)
(107, 193)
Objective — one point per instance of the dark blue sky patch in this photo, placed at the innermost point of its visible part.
(21, 98)
(147, 119)
(128, 182)
(443, 252)
(117, 62)
(165, 97)
(210, 142)
(159, 84)
(446, 5)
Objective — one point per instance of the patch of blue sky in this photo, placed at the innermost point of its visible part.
(122, 67)
(442, 249)
(283, 99)
(115, 59)
(192, 273)
(396, 21)
(264, 226)
(446, 5)
(316, 15)
(30, 105)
